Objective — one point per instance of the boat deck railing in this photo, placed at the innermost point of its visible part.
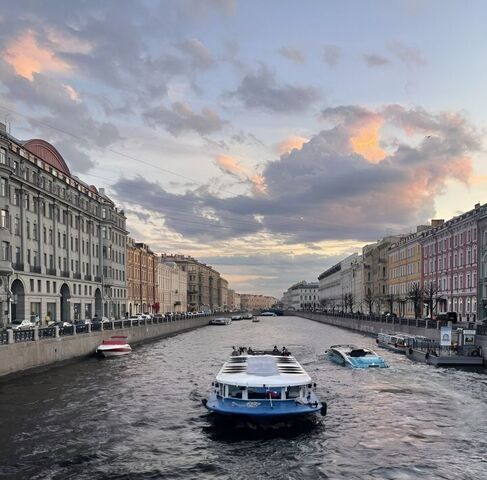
(433, 347)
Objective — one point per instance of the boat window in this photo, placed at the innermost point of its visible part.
(264, 393)
(360, 352)
(234, 391)
(293, 392)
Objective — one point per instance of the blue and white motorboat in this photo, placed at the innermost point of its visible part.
(355, 357)
(263, 386)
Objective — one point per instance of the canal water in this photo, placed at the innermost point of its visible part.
(140, 416)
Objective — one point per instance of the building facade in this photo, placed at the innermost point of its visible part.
(405, 267)
(142, 276)
(302, 296)
(222, 294)
(252, 302)
(482, 263)
(233, 300)
(376, 273)
(203, 282)
(450, 265)
(172, 287)
(63, 241)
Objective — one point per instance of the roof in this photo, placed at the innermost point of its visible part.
(48, 153)
(260, 370)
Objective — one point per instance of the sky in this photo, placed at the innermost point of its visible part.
(269, 139)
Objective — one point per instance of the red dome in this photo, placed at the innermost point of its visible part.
(47, 152)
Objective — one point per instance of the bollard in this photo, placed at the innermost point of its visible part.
(36, 334)
(10, 336)
(56, 331)
(88, 327)
(101, 326)
(113, 325)
(74, 328)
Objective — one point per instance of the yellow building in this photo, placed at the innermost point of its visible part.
(404, 266)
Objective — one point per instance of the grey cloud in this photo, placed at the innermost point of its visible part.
(200, 56)
(325, 190)
(77, 160)
(260, 90)
(374, 60)
(410, 56)
(181, 119)
(332, 55)
(293, 54)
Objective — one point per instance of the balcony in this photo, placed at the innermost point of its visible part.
(65, 274)
(97, 279)
(88, 278)
(77, 275)
(51, 271)
(18, 266)
(5, 266)
(35, 269)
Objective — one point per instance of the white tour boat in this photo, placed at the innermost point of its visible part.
(263, 386)
(115, 346)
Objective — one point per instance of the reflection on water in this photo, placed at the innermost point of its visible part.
(140, 416)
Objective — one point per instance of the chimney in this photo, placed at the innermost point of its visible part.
(477, 206)
(3, 127)
(437, 223)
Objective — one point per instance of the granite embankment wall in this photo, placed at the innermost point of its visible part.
(21, 356)
(374, 327)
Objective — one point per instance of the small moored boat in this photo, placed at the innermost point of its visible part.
(263, 386)
(221, 321)
(397, 342)
(115, 346)
(355, 357)
(256, 319)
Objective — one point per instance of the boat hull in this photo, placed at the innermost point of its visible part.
(393, 348)
(262, 410)
(443, 360)
(113, 352)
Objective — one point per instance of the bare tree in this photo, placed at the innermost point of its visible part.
(431, 298)
(390, 299)
(369, 300)
(416, 295)
(348, 301)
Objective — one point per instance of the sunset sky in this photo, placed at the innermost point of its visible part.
(266, 138)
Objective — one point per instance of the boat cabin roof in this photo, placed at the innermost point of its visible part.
(353, 350)
(262, 370)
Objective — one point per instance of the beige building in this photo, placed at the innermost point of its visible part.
(63, 241)
(253, 302)
(223, 294)
(172, 287)
(404, 267)
(234, 303)
(142, 272)
(203, 282)
(376, 273)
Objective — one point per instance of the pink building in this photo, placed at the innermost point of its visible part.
(450, 263)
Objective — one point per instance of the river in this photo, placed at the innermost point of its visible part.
(140, 416)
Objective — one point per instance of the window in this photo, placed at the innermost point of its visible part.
(17, 226)
(3, 187)
(3, 219)
(48, 286)
(3, 156)
(5, 251)
(34, 231)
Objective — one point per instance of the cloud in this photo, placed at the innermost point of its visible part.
(333, 187)
(373, 60)
(230, 165)
(181, 119)
(27, 57)
(410, 56)
(260, 90)
(332, 55)
(77, 160)
(201, 57)
(292, 54)
(290, 143)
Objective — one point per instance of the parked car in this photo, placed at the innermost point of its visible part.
(158, 317)
(21, 325)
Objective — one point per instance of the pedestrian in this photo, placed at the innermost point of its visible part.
(37, 320)
(47, 318)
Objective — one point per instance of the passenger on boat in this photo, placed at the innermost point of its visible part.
(243, 350)
(250, 351)
(285, 352)
(275, 351)
(235, 352)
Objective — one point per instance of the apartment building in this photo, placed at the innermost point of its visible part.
(63, 241)
(172, 287)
